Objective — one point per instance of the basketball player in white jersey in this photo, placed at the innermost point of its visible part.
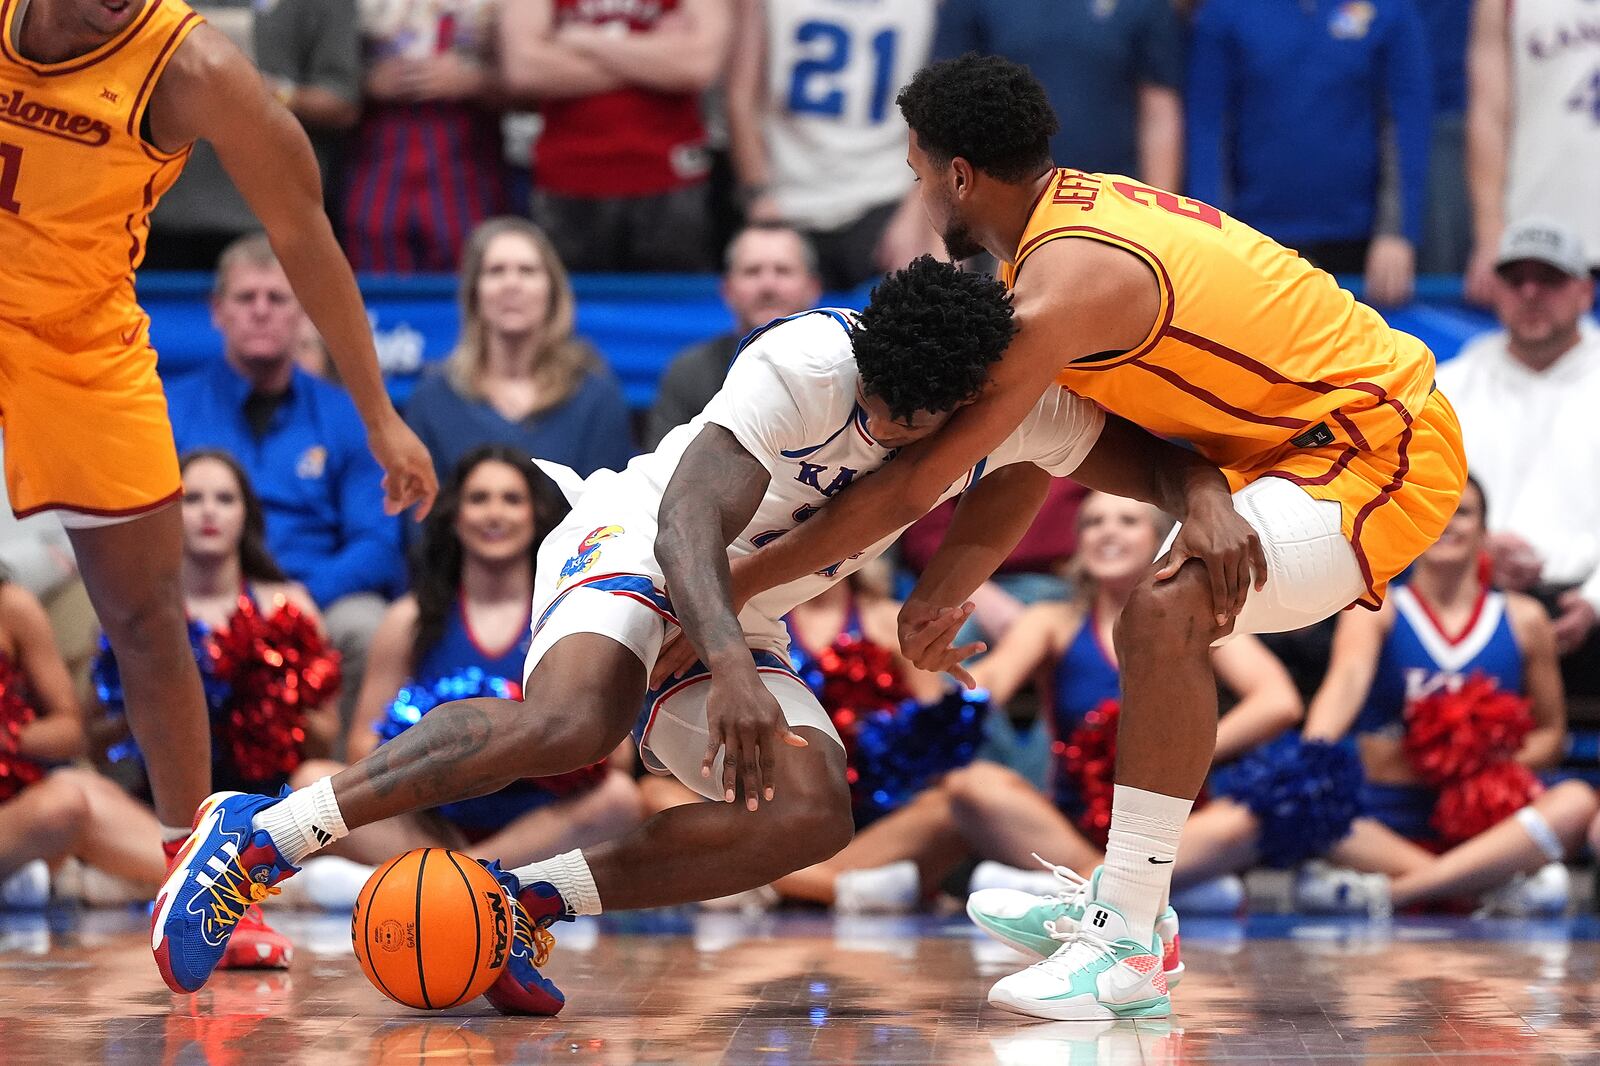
(1533, 123)
(811, 404)
(817, 141)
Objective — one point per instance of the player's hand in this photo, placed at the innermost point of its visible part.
(676, 657)
(408, 477)
(1216, 535)
(1391, 271)
(745, 721)
(927, 639)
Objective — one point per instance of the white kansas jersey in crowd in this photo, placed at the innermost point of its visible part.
(835, 139)
(790, 399)
(1554, 156)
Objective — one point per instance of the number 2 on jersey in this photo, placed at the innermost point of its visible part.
(10, 171)
(1171, 203)
(808, 97)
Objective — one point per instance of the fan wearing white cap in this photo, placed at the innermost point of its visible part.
(1527, 396)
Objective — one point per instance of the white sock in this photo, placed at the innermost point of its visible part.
(571, 876)
(1139, 854)
(171, 833)
(305, 820)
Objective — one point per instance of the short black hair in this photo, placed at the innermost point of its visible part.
(928, 336)
(989, 111)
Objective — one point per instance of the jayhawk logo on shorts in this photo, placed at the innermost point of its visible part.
(588, 552)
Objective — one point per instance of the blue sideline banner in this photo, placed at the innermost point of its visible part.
(637, 321)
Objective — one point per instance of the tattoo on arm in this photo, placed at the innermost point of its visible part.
(438, 760)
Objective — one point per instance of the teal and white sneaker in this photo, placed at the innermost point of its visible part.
(1036, 925)
(1099, 973)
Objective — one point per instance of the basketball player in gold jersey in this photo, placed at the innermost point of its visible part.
(100, 101)
(1344, 460)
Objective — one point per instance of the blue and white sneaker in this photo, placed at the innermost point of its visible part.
(1100, 973)
(1036, 925)
(521, 988)
(225, 867)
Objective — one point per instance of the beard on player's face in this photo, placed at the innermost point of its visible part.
(959, 241)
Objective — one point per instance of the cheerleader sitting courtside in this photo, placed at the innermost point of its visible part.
(1454, 695)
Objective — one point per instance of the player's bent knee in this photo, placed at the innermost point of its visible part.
(810, 834)
(1164, 615)
(573, 724)
(813, 804)
(143, 622)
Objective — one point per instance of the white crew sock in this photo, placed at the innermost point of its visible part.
(570, 874)
(304, 821)
(1139, 854)
(173, 833)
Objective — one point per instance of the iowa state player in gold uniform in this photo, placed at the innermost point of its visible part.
(100, 101)
(1345, 463)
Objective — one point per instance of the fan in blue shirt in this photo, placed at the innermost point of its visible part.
(298, 438)
(1290, 103)
(518, 375)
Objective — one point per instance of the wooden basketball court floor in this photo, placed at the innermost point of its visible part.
(687, 988)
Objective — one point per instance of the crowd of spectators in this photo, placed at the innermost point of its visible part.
(1378, 137)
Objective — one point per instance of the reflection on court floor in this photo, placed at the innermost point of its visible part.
(686, 988)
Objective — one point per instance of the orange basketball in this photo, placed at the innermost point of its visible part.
(431, 928)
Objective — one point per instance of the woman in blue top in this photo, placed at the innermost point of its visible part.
(466, 621)
(1446, 625)
(1067, 649)
(519, 374)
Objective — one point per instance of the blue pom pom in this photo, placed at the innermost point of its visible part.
(1305, 793)
(418, 698)
(897, 752)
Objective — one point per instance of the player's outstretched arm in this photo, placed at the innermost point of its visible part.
(1075, 298)
(211, 91)
(989, 522)
(712, 496)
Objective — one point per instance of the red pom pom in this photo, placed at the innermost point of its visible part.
(1088, 758)
(1455, 733)
(858, 678)
(1473, 804)
(16, 711)
(276, 668)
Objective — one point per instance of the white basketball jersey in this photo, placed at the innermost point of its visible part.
(1554, 164)
(790, 400)
(835, 139)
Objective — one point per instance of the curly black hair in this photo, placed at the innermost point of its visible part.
(989, 111)
(928, 336)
